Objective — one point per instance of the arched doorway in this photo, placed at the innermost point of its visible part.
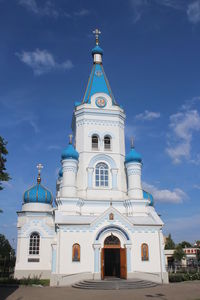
(113, 258)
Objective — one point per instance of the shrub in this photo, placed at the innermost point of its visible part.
(25, 281)
(178, 277)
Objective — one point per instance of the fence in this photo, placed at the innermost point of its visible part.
(183, 269)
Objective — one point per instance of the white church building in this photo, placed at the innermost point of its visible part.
(102, 223)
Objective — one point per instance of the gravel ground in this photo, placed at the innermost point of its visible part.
(182, 291)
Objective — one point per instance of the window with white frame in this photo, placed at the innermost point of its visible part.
(34, 243)
(101, 175)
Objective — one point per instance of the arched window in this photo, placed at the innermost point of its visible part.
(34, 244)
(101, 175)
(145, 252)
(107, 142)
(95, 142)
(76, 252)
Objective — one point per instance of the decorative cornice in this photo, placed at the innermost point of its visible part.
(133, 172)
(99, 123)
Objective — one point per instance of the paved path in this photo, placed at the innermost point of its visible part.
(173, 291)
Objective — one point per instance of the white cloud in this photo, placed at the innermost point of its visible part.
(147, 116)
(184, 223)
(47, 9)
(141, 6)
(138, 7)
(196, 186)
(42, 61)
(193, 12)
(82, 13)
(170, 3)
(182, 127)
(163, 195)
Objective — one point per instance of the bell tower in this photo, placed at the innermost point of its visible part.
(98, 126)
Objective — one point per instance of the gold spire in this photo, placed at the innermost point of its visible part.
(39, 167)
(70, 138)
(97, 32)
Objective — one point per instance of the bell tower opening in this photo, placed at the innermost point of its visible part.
(113, 258)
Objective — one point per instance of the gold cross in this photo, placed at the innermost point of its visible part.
(97, 32)
(39, 167)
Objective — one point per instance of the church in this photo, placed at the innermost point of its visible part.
(102, 223)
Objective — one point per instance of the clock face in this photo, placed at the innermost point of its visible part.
(101, 102)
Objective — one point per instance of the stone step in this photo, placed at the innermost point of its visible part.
(116, 284)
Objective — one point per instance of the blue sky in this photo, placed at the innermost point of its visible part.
(151, 58)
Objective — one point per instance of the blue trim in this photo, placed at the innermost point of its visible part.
(112, 227)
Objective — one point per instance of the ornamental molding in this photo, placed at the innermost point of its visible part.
(133, 172)
(38, 225)
(69, 169)
(100, 123)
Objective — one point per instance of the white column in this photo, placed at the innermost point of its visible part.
(90, 175)
(97, 248)
(53, 261)
(114, 178)
(128, 257)
(134, 170)
(68, 185)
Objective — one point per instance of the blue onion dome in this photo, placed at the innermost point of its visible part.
(149, 197)
(97, 50)
(133, 156)
(70, 152)
(60, 173)
(38, 194)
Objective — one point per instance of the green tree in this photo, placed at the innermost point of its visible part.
(169, 244)
(178, 253)
(185, 244)
(6, 251)
(4, 176)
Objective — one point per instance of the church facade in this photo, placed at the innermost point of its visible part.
(103, 223)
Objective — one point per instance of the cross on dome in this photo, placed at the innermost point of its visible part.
(39, 167)
(97, 32)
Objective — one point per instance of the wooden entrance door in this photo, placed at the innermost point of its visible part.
(102, 263)
(123, 267)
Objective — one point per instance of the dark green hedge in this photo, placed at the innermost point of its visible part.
(25, 281)
(178, 277)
